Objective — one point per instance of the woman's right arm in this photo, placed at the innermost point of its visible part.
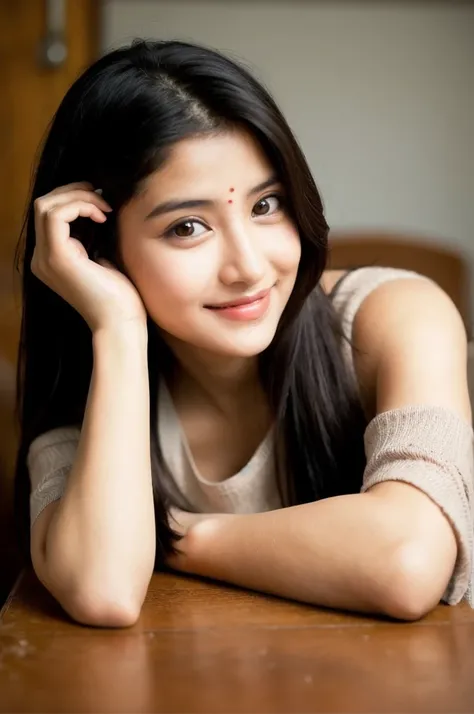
(94, 549)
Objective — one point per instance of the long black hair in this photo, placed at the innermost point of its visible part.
(115, 126)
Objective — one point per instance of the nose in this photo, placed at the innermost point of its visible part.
(243, 259)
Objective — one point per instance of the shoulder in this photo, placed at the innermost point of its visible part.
(415, 342)
(409, 343)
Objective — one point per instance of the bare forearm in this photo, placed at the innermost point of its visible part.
(351, 552)
(102, 534)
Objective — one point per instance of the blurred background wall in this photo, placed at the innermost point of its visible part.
(43, 47)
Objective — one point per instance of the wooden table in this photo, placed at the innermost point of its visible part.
(205, 647)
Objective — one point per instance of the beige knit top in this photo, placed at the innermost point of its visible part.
(429, 447)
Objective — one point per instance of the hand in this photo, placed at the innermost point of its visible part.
(182, 521)
(99, 292)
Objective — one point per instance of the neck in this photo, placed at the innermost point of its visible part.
(223, 381)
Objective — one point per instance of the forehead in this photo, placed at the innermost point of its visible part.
(211, 164)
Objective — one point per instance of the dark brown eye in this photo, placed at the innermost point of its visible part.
(261, 207)
(187, 229)
(184, 230)
(267, 206)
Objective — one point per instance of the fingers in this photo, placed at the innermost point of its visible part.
(55, 233)
(53, 214)
(86, 185)
(62, 206)
(70, 211)
(52, 200)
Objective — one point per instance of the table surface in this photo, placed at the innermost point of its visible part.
(201, 646)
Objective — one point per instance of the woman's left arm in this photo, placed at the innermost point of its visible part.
(390, 550)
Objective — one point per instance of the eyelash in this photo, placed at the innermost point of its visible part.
(169, 233)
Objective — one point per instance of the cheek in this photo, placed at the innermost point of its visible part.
(168, 279)
(286, 250)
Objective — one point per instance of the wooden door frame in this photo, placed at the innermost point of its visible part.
(31, 95)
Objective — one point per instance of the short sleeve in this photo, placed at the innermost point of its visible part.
(431, 448)
(353, 288)
(49, 461)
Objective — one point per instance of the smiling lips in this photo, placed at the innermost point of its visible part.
(245, 308)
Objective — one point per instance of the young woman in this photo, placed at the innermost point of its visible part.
(197, 392)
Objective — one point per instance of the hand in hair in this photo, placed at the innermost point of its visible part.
(100, 293)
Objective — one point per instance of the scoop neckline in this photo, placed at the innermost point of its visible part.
(260, 454)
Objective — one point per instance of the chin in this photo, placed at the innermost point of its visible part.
(248, 344)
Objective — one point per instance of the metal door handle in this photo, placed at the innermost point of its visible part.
(53, 48)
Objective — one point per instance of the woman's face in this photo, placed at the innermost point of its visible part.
(210, 229)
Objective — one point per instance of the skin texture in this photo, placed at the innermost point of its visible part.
(233, 252)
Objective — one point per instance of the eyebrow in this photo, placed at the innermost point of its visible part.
(169, 206)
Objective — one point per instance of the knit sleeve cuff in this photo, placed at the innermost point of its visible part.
(430, 447)
(49, 460)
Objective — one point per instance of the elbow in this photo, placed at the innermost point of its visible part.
(413, 585)
(97, 609)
